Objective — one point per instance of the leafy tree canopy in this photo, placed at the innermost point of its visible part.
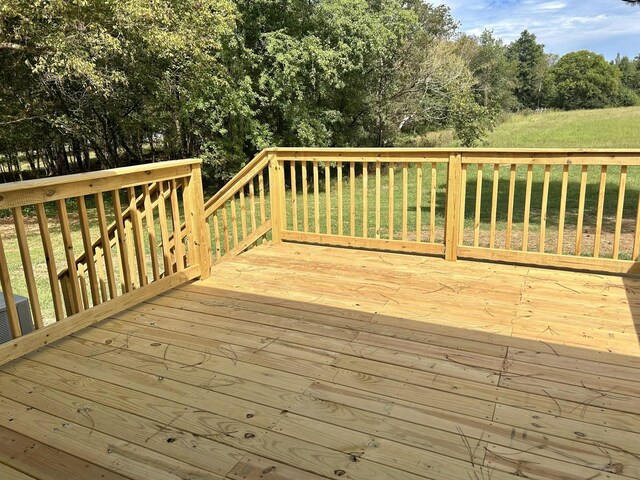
(583, 79)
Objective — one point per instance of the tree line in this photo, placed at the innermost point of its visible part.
(89, 84)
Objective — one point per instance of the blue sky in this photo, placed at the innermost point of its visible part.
(603, 26)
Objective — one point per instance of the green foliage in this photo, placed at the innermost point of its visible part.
(100, 83)
(494, 72)
(531, 65)
(583, 80)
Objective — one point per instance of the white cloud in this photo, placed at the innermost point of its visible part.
(551, 6)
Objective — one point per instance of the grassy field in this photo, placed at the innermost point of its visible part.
(606, 128)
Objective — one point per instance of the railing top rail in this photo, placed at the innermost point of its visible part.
(423, 150)
(29, 192)
(240, 179)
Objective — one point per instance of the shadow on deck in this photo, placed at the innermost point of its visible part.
(305, 362)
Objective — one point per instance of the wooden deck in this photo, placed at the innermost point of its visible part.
(306, 362)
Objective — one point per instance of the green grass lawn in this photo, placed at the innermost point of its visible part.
(605, 128)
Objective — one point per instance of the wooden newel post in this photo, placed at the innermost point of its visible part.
(453, 210)
(276, 193)
(199, 226)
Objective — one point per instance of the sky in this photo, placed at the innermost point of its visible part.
(607, 27)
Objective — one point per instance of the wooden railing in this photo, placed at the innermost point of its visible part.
(136, 257)
(235, 218)
(124, 235)
(562, 208)
(238, 216)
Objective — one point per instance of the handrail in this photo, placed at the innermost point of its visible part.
(90, 287)
(248, 172)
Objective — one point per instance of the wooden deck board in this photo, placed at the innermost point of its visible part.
(308, 362)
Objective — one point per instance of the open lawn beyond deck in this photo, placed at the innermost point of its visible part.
(300, 362)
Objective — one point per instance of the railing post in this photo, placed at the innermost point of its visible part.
(276, 194)
(453, 211)
(200, 228)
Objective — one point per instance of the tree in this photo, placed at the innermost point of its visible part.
(111, 75)
(583, 79)
(531, 66)
(494, 72)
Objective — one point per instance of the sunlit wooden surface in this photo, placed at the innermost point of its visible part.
(309, 362)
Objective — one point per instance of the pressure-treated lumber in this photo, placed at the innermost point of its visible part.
(363, 363)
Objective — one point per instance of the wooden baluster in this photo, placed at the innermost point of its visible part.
(178, 246)
(544, 207)
(600, 213)
(164, 230)
(294, 197)
(340, 201)
(512, 194)
(365, 200)
(216, 233)
(378, 205)
(391, 188)
(419, 202)
(136, 224)
(151, 232)
(405, 200)
(234, 221)
(89, 256)
(476, 224)
(636, 239)
(282, 188)
(316, 197)
(494, 205)
(463, 199)
(52, 270)
(252, 206)
(527, 209)
(131, 252)
(619, 212)
(305, 198)
(106, 245)
(563, 209)
(432, 219)
(581, 200)
(225, 229)
(74, 297)
(352, 199)
(327, 196)
(125, 270)
(123, 285)
(82, 279)
(243, 213)
(7, 291)
(102, 279)
(27, 266)
(263, 209)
